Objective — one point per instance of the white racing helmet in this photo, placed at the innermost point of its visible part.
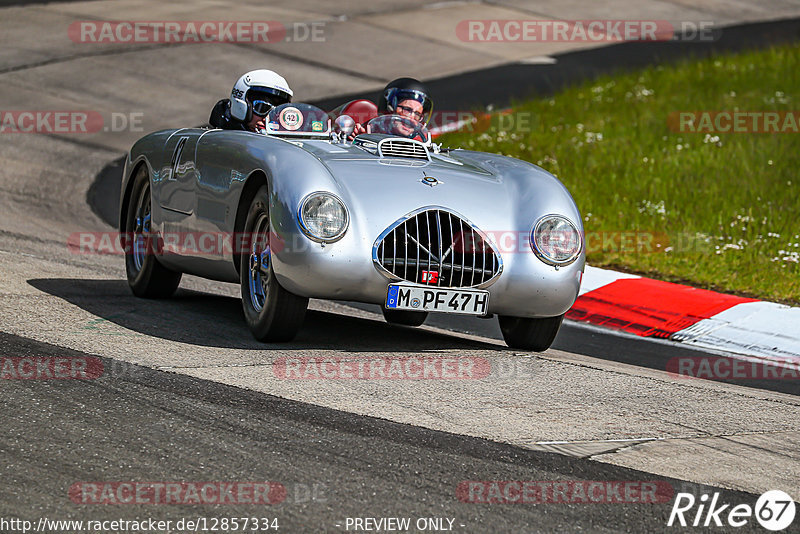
(258, 85)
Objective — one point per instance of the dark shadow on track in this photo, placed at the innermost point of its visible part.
(217, 321)
(604, 345)
(501, 86)
(153, 425)
(104, 194)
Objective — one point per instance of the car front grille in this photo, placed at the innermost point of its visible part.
(438, 248)
(402, 148)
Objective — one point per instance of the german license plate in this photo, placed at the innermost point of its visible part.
(429, 299)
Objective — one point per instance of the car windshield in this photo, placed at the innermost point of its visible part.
(399, 126)
(298, 120)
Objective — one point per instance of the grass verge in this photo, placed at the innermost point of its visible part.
(724, 207)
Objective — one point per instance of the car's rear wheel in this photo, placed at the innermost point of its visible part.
(272, 313)
(147, 278)
(404, 317)
(536, 334)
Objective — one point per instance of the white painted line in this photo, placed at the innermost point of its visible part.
(626, 440)
(448, 4)
(451, 127)
(762, 329)
(539, 60)
(710, 349)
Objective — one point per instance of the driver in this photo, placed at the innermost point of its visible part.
(253, 96)
(406, 97)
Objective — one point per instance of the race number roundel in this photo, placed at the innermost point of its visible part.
(291, 118)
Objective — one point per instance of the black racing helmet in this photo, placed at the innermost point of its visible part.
(406, 89)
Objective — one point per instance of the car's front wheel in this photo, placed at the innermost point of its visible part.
(536, 334)
(146, 276)
(404, 317)
(272, 313)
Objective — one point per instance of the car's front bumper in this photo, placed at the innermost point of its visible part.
(344, 270)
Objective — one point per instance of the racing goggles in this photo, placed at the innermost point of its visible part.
(261, 107)
(263, 99)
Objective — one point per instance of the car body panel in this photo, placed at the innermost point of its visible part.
(197, 188)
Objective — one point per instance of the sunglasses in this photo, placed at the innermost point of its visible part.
(261, 107)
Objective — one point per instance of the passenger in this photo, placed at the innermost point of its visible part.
(253, 96)
(405, 97)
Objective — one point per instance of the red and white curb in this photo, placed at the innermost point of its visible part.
(700, 318)
(687, 315)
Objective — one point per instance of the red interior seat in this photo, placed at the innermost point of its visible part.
(362, 111)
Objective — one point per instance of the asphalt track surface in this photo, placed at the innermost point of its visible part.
(136, 423)
(171, 406)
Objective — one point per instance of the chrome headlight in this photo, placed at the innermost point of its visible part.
(323, 217)
(556, 240)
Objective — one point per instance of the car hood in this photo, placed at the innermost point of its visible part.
(479, 187)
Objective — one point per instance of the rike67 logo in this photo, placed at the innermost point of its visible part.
(774, 511)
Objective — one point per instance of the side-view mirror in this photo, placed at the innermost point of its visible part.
(345, 124)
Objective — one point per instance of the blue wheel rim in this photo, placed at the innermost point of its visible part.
(259, 264)
(141, 231)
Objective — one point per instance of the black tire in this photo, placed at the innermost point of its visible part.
(147, 278)
(530, 334)
(272, 313)
(404, 317)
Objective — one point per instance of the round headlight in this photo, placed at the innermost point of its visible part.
(323, 217)
(556, 240)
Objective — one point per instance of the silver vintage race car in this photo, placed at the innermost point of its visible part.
(299, 211)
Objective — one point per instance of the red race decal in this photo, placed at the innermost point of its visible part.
(430, 277)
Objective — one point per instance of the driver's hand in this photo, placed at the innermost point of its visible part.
(358, 129)
(257, 124)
